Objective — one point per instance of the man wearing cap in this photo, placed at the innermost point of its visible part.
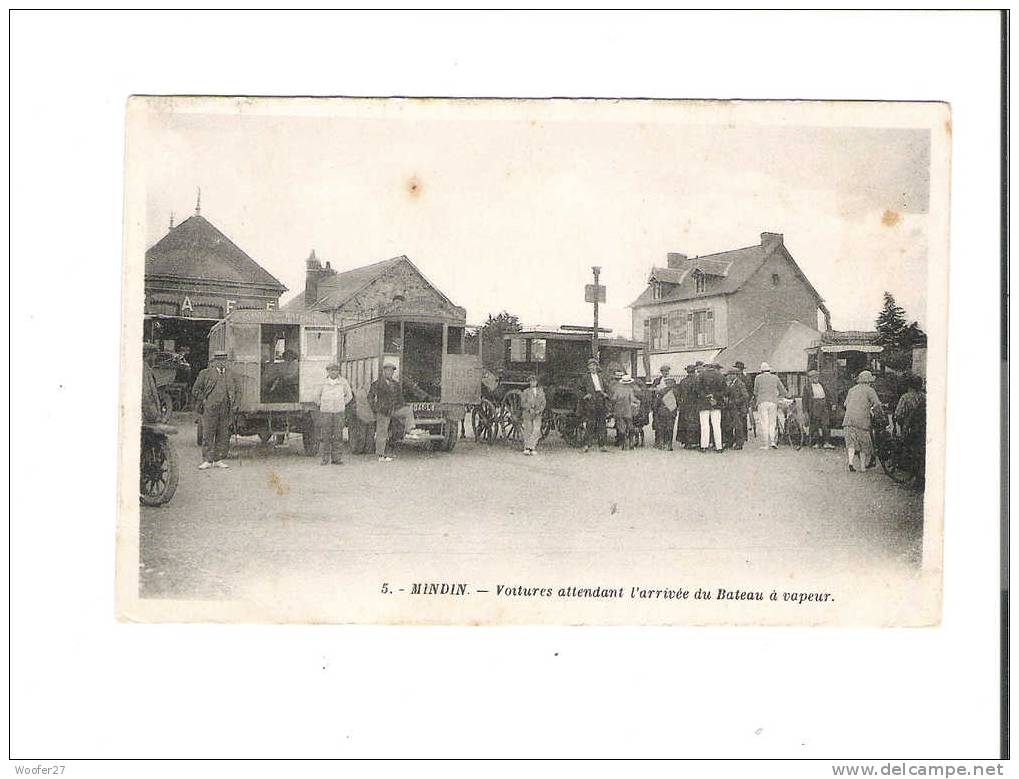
(734, 415)
(216, 392)
(861, 402)
(386, 399)
(664, 372)
(594, 400)
(664, 410)
(688, 429)
(819, 400)
(332, 407)
(768, 388)
(710, 392)
(152, 406)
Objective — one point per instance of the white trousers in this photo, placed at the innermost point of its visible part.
(769, 421)
(714, 416)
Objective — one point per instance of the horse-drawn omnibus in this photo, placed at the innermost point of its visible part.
(559, 359)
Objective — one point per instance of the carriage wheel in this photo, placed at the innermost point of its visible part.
(573, 430)
(548, 423)
(484, 417)
(158, 472)
(510, 416)
(795, 433)
(896, 462)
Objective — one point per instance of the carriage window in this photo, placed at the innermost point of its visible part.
(392, 341)
(320, 343)
(244, 342)
(538, 350)
(454, 340)
(472, 340)
(518, 349)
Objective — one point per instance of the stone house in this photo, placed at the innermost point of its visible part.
(698, 308)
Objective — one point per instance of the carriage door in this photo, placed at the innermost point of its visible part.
(319, 350)
(461, 365)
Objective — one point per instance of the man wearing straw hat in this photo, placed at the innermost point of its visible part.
(861, 402)
(768, 388)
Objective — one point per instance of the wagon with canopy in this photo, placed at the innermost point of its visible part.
(280, 358)
(558, 357)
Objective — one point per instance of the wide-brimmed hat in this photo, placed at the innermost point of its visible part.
(691, 368)
(739, 364)
(865, 377)
(627, 379)
(665, 368)
(389, 365)
(699, 364)
(765, 366)
(812, 373)
(333, 367)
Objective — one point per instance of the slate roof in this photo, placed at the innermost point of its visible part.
(196, 249)
(783, 345)
(728, 272)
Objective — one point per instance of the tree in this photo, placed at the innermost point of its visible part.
(891, 322)
(495, 327)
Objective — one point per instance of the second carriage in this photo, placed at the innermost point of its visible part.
(559, 360)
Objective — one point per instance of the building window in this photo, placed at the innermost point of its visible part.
(704, 328)
(700, 281)
(454, 340)
(538, 350)
(657, 332)
(775, 280)
(518, 350)
(656, 290)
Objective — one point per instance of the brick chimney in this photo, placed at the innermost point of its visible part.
(675, 259)
(314, 273)
(770, 240)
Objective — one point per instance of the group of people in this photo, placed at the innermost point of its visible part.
(707, 409)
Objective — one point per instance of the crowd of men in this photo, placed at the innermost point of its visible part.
(707, 410)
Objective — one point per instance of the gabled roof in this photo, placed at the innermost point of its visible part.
(196, 249)
(782, 345)
(334, 291)
(730, 270)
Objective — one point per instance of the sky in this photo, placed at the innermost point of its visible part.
(508, 213)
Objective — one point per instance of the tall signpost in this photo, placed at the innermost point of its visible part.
(594, 293)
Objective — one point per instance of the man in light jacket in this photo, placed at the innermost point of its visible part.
(768, 388)
(532, 404)
(861, 402)
(332, 408)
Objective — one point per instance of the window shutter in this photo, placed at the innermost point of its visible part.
(709, 327)
(677, 328)
(647, 332)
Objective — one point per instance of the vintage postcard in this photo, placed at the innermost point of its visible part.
(575, 362)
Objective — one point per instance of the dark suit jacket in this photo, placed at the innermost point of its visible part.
(213, 388)
(587, 387)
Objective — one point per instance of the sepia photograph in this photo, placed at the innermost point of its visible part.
(450, 361)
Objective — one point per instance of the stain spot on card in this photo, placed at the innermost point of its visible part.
(276, 483)
(890, 218)
(414, 187)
